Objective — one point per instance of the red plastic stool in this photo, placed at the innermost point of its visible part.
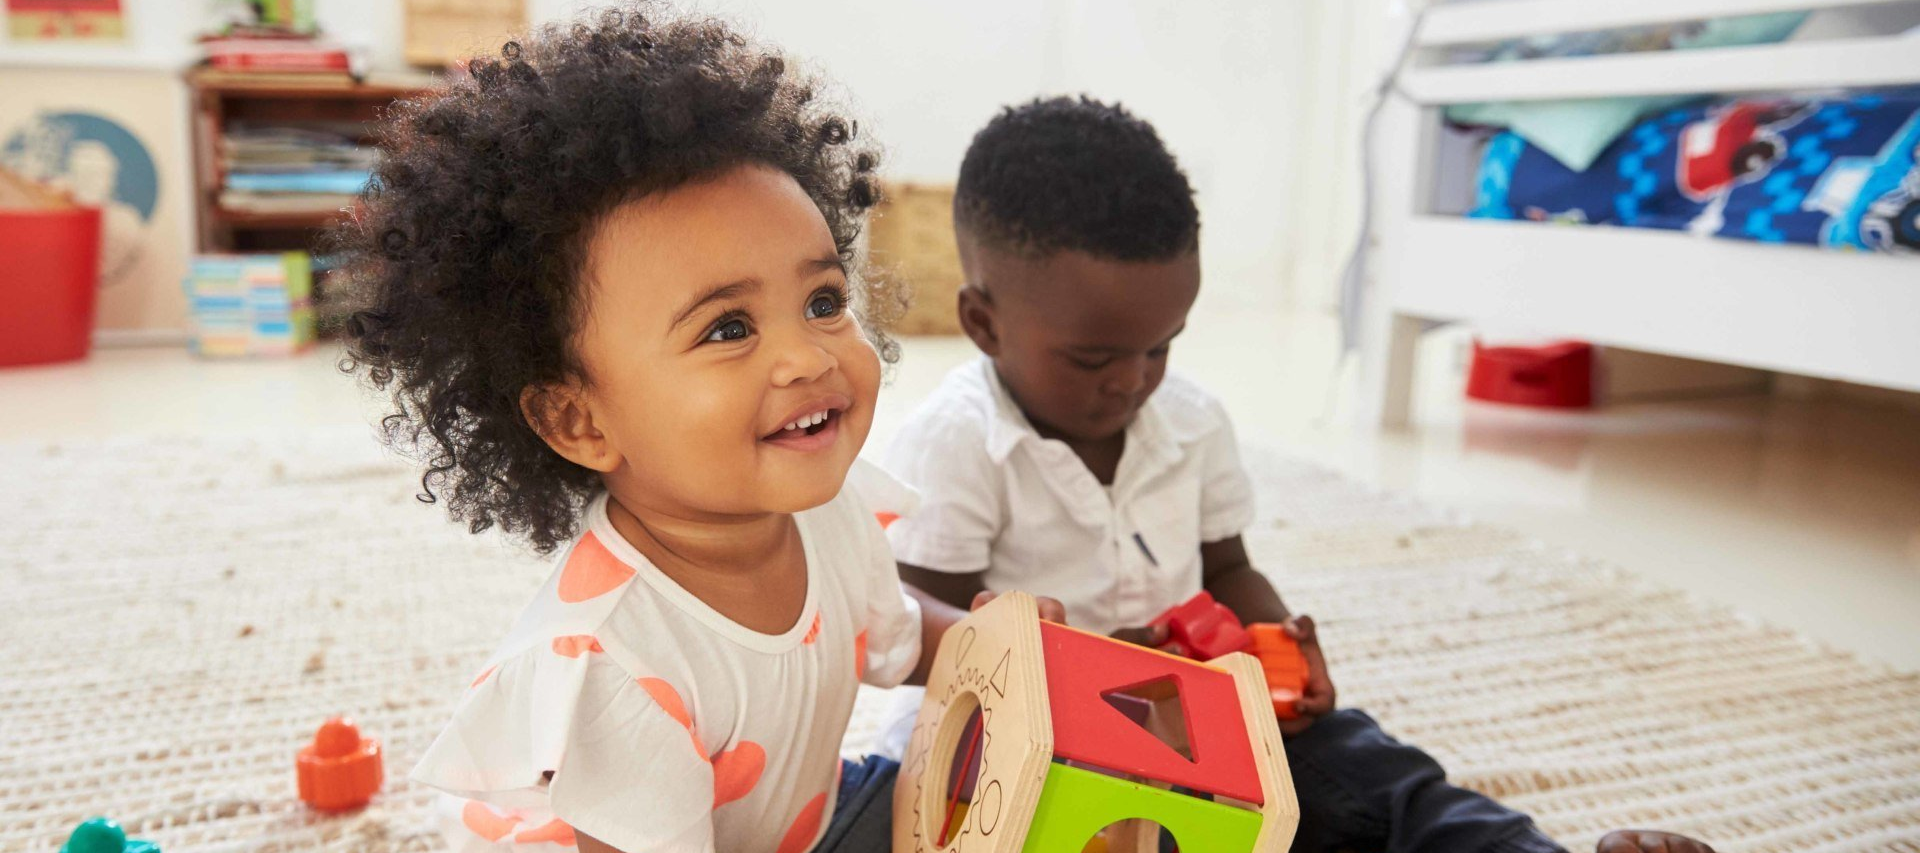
(1557, 375)
(51, 271)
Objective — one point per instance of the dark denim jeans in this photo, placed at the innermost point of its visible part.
(863, 817)
(1359, 790)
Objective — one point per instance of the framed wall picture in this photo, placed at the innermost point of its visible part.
(115, 139)
(65, 21)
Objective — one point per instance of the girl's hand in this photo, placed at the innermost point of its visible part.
(1317, 699)
(1051, 610)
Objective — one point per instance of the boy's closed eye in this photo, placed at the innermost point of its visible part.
(1093, 362)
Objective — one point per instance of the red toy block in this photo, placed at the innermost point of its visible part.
(1083, 669)
(340, 770)
(1202, 629)
(1285, 667)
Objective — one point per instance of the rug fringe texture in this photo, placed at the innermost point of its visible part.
(186, 611)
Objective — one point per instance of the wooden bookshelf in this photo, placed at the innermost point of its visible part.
(250, 220)
(218, 99)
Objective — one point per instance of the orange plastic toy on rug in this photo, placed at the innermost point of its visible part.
(340, 770)
(1203, 629)
(1285, 667)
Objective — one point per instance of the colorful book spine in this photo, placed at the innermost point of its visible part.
(280, 61)
(345, 183)
(250, 305)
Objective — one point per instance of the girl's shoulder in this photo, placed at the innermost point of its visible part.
(591, 579)
(869, 500)
(872, 492)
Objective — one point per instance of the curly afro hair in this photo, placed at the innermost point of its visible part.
(463, 270)
(1064, 173)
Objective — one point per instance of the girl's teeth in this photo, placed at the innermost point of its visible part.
(808, 421)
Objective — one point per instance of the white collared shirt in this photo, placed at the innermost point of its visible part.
(997, 497)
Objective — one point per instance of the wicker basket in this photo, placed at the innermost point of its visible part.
(911, 238)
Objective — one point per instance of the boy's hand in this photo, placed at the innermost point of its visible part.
(1317, 699)
(1151, 636)
(1051, 610)
(936, 616)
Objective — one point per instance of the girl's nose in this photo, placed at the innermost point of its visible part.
(802, 359)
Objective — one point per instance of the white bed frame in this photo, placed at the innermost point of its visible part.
(1794, 309)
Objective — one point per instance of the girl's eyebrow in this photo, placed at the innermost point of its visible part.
(823, 263)
(716, 293)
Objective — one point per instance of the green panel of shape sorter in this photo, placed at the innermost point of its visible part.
(1075, 804)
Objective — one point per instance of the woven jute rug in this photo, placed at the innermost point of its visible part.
(182, 613)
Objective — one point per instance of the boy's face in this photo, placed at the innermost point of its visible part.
(715, 316)
(1080, 341)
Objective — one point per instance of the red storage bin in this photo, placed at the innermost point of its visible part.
(49, 275)
(1557, 375)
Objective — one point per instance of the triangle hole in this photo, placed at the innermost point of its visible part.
(1156, 706)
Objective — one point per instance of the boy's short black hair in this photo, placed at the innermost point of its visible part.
(465, 262)
(1072, 173)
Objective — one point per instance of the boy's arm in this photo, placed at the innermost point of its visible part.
(1227, 573)
(937, 615)
(956, 589)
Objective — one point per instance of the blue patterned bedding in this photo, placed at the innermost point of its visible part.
(1838, 173)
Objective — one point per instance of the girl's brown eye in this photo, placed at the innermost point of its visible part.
(728, 330)
(824, 305)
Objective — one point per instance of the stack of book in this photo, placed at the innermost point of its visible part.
(306, 169)
(251, 305)
(274, 42)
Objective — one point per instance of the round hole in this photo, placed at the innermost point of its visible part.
(1129, 835)
(953, 770)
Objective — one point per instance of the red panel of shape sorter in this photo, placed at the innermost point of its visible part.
(1081, 667)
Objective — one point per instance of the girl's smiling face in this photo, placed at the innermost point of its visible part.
(725, 373)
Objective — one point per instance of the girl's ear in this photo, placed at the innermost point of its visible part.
(562, 414)
(978, 321)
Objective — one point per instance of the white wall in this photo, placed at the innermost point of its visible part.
(1222, 81)
(1225, 81)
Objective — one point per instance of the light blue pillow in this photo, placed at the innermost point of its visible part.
(1576, 131)
(1572, 131)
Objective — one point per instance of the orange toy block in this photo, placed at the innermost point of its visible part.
(1285, 667)
(1201, 628)
(340, 770)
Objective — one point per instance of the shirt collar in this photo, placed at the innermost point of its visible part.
(1008, 426)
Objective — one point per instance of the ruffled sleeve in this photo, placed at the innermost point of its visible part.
(626, 765)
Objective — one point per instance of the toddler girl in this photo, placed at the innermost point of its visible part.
(608, 283)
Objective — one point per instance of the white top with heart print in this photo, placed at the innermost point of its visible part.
(623, 706)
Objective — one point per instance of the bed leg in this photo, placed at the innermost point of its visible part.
(1389, 376)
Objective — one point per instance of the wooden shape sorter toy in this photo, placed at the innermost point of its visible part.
(1040, 738)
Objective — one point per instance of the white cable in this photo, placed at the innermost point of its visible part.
(1353, 272)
